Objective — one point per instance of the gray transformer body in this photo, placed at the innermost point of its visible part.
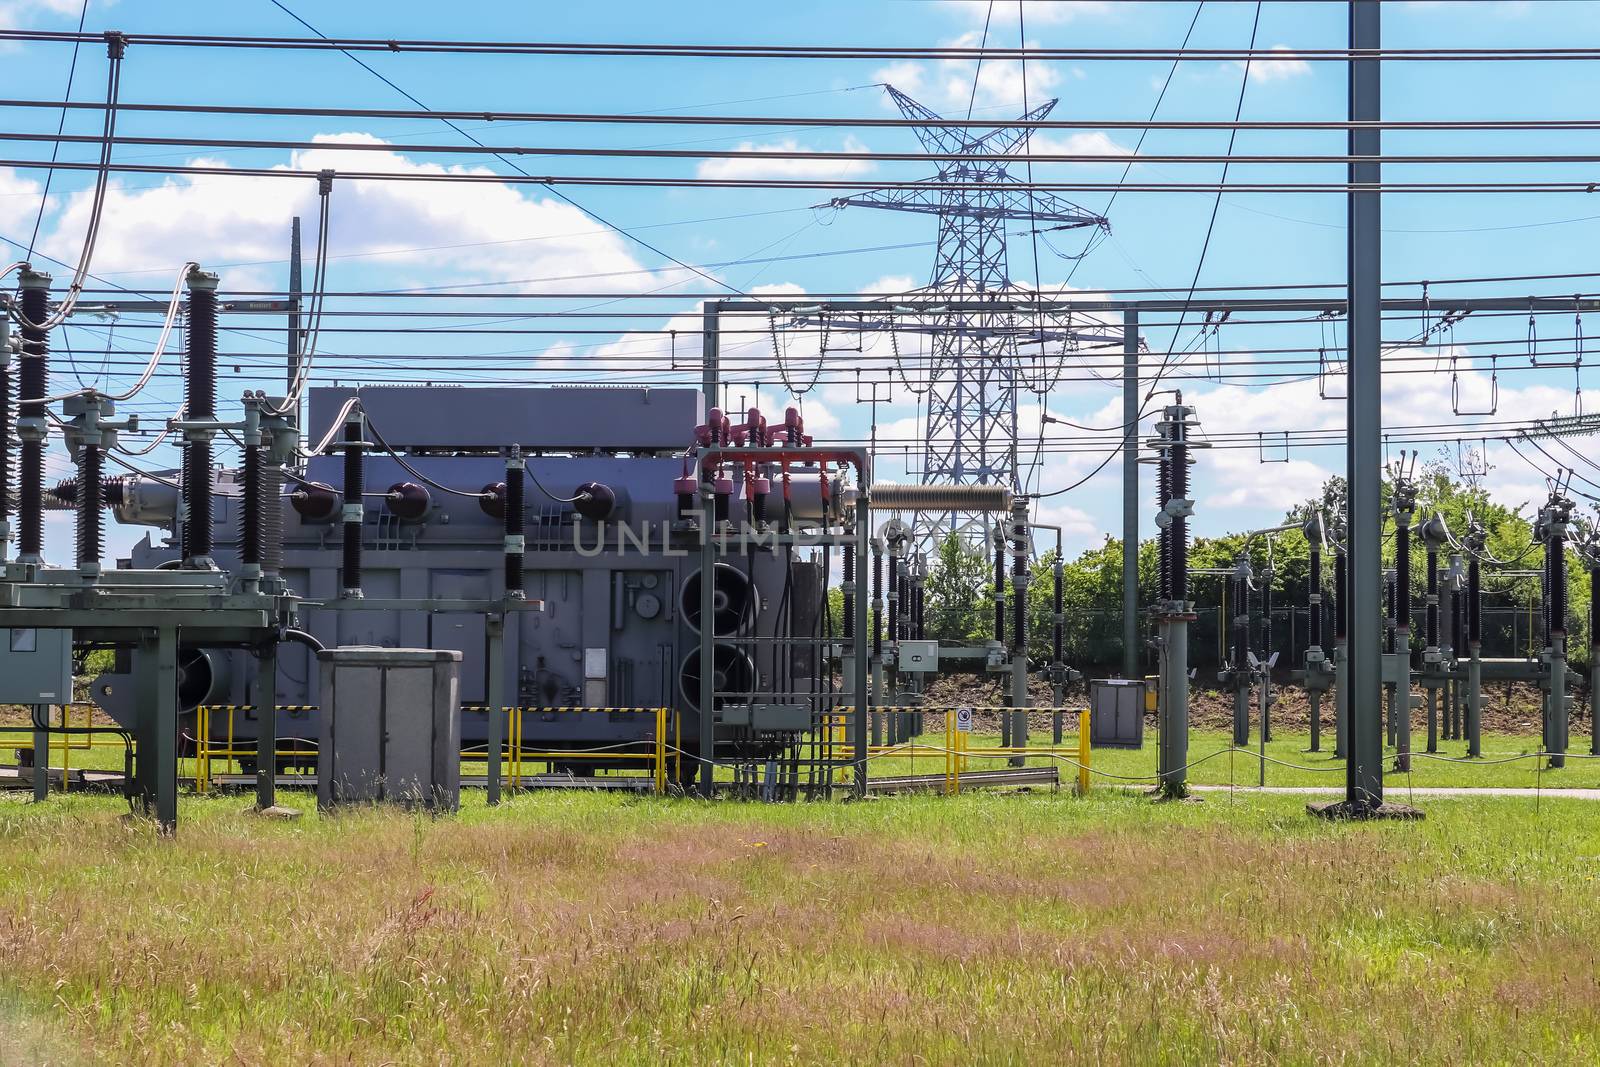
(616, 630)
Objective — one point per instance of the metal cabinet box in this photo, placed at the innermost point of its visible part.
(1116, 712)
(920, 656)
(391, 727)
(35, 666)
(768, 718)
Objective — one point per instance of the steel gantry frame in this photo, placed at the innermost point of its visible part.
(1363, 665)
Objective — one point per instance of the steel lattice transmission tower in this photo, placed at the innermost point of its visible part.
(973, 378)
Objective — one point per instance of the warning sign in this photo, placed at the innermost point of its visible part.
(964, 720)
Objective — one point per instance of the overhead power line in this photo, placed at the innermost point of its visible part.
(554, 180)
(831, 155)
(876, 53)
(510, 116)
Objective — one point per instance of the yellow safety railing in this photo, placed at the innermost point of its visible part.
(518, 755)
(209, 750)
(83, 743)
(956, 753)
(228, 750)
(958, 750)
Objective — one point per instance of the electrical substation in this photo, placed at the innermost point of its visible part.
(394, 589)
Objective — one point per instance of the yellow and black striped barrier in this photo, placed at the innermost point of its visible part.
(559, 708)
(232, 709)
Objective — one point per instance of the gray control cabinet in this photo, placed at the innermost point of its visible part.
(1116, 712)
(35, 666)
(391, 727)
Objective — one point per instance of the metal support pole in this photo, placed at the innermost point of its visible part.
(1594, 660)
(708, 641)
(1266, 701)
(1430, 656)
(1058, 666)
(877, 701)
(157, 767)
(859, 684)
(1400, 691)
(1019, 628)
(1364, 411)
(41, 755)
(1314, 660)
(1266, 656)
(266, 701)
(1475, 659)
(1130, 494)
(1241, 646)
(495, 632)
(1341, 657)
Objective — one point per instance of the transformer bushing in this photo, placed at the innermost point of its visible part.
(32, 429)
(1318, 666)
(895, 538)
(5, 437)
(89, 434)
(269, 443)
(200, 408)
(515, 535)
(1553, 525)
(1403, 506)
(353, 512)
(1435, 538)
(1174, 610)
(1238, 675)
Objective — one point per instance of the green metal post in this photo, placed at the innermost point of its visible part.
(266, 694)
(495, 627)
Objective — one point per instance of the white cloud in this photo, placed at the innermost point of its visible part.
(460, 228)
(1248, 480)
(16, 13)
(1047, 11)
(757, 167)
(1083, 143)
(947, 84)
(1501, 8)
(16, 191)
(890, 283)
(1274, 70)
(1079, 529)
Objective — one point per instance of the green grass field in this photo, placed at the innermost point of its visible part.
(587, 928)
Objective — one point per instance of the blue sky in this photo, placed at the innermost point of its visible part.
(394, 235)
